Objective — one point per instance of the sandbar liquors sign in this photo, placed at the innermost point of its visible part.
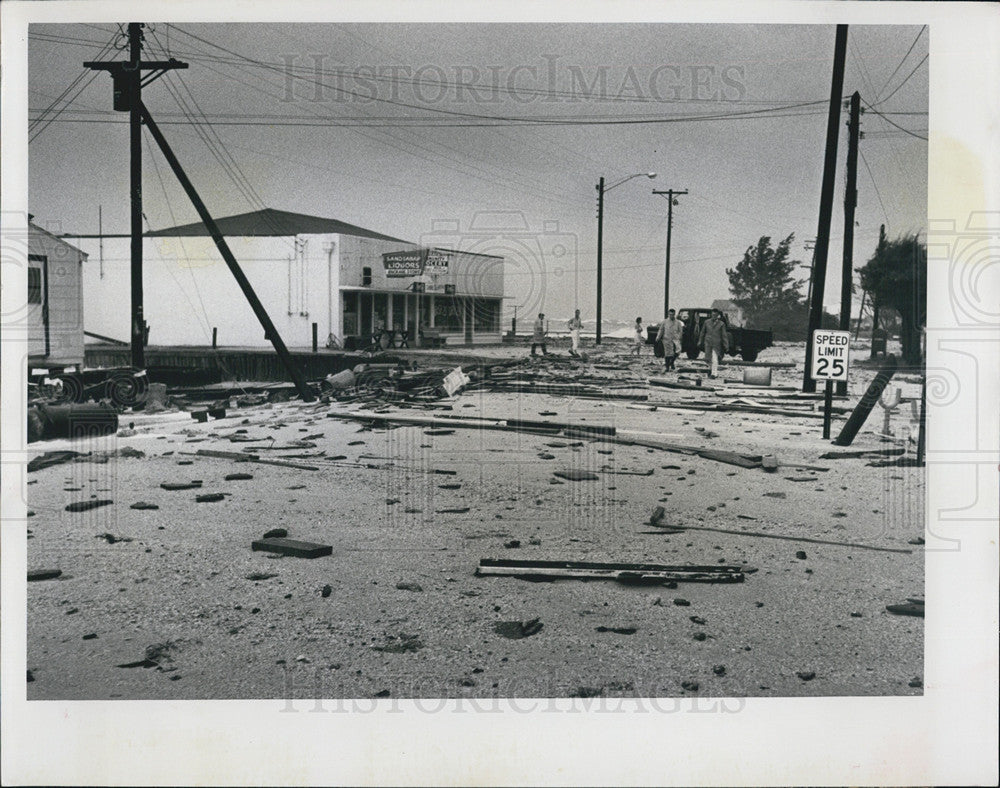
(403, 264)
(399, 265)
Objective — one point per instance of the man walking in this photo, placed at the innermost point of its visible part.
(670, 336)
(714, 338)
(575, 325)
(538, 335)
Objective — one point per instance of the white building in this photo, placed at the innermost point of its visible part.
(54, 300)
(305, 270)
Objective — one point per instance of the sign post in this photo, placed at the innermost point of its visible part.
(830, 358)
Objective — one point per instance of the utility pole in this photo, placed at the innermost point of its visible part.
(128, 83)
(850, 203)
(670, 223)
(826, 202)
(600, 249)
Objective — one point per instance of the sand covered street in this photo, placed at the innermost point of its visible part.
(170, 601)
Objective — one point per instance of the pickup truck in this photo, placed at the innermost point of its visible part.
(747, 342)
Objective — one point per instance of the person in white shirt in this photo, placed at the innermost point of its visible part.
(575, 325)
(669, 334)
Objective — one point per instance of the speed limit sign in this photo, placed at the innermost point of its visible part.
(830, 354)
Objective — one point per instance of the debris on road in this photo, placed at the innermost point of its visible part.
(292, 547)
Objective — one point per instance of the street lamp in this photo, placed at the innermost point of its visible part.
(601, 190)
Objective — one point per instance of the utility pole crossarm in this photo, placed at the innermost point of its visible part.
(128, 82)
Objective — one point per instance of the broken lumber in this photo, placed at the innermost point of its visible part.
(860, 413)
(622, 572)
(761, 535)
(83, 506)
(43, 574)
(237, 457)
(292, 547)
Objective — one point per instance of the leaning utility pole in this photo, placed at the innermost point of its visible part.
(826, 202)
(670, 223)
(850, 203)
(128, 84)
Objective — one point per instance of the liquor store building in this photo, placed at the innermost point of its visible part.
(349, 281)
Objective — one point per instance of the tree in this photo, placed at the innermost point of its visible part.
(896, 277)
(763, 287)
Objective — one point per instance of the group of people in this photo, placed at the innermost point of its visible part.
(713, 337)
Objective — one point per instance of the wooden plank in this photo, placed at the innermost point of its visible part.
(292, 547)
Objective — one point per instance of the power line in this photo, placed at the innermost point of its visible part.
(874, 185)
(905, 80)
(893, 123)
(900, 65)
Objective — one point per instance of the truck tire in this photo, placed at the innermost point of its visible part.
(748, 355)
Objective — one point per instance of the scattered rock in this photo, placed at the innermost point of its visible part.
(512, 544)
(719, 670)
(800, 554)
(617, 630)
(31, 676)
(588, 692)
(700, 636)
(112, 539)
(681, 602)
(276, 533)
(690, 686)
(238, 477)
(855, 615)
(774, 495)
(257, 576)
(916, 682)
(143, 505)
(210, 498)
(400, 644)
(409, 587)
(515, 630)
(697, 620)
(327, 590)
(180, 485)
(806, 675)
(91, 636)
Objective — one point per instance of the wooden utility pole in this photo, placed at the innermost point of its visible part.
(850, 203)
(600, 249)
(128, 83)
(670, 223)
(826, 202)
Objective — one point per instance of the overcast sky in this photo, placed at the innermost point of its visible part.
(493, 136)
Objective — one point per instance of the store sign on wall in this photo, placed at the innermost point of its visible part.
(436, 262)
(402, 264)
(414, 263)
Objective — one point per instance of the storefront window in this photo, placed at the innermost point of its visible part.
(486, 315)
(398, 311)
(448, 313)
(350, 314)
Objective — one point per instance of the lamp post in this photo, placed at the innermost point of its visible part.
(601, 191)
